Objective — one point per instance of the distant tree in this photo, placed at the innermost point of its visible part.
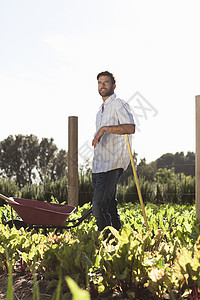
(178, 161)
(18, 158)
(22, 158)
(147, 171)
(165, 161)
(190, 164)
(60, 164)
(30, 155)
(8, 158)
(46, 159)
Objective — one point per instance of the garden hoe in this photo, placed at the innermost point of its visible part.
(136, 182)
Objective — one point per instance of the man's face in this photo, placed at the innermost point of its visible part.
(105, 86)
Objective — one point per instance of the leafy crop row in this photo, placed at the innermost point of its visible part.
(164, 262)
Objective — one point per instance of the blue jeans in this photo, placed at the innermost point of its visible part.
(104, 202)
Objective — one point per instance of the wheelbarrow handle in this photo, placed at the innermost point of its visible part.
(80, 220)
(9, 200)
(86, 214)
(83, 217)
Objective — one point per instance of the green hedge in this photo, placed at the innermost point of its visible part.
(179, 190)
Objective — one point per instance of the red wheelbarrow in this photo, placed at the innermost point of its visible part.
(38, 214)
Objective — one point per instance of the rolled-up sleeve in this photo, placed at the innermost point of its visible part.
(124, 112)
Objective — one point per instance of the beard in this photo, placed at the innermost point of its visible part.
(104, 92)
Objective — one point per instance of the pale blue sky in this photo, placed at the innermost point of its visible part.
(51, 52)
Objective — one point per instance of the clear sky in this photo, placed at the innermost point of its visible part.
(51, 52)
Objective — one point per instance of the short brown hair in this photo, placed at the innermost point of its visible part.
(106, 73)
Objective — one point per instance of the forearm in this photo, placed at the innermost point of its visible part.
(115, 129)
(120, 129)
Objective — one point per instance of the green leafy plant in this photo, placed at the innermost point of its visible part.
(187, 270)
(77, 293)
(10, 284)
(162, 262)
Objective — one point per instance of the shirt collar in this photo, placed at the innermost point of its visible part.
(112, 97)
(108, 100)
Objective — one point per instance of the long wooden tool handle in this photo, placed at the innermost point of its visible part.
(136, 182)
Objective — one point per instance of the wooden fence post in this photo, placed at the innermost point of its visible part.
(197, 158)
(73, 161)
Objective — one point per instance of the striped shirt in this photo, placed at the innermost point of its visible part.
(112, 151)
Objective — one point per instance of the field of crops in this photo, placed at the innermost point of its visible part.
(163, 263)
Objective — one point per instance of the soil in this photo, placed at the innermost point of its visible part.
(23, 289)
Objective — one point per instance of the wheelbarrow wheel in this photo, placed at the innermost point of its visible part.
(17, 223)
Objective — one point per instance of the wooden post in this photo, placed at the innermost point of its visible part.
(197, 158)
(73, 161)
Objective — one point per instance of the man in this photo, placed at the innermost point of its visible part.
(111, 156)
